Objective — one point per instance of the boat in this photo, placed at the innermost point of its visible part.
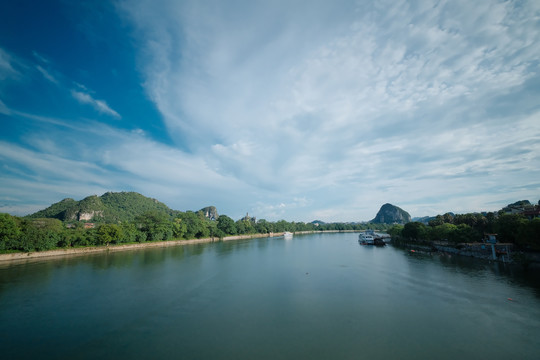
(368, 238)
(287, 235)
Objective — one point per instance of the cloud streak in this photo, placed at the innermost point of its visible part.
(6, 65)
(47, 75)
(100, 105)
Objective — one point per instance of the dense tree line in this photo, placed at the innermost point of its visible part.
(465, 228)
(30, 234)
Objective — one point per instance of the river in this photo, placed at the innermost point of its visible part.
(319, 296)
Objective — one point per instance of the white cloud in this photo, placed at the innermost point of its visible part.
(73, 160)
(4, 109)
(40, 57)
(37, 165)
(81, 94)
(326, 110)
(100, 105)
(47, 75)
(6, 65)
(391, 88)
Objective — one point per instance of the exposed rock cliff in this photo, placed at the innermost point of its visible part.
(89, 215)
(210, 212)
(390, 214)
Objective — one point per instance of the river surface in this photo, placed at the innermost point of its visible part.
(320, 296)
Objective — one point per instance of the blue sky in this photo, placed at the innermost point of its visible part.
(296, 110)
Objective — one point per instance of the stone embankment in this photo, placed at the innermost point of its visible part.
(502, 252)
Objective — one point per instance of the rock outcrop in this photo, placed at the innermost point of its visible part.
(517, 208)
(390, 214)
(89, 215)
(210, 212)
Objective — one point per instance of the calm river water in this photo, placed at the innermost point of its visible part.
(320, 296)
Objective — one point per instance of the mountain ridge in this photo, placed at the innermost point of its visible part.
(111, 207)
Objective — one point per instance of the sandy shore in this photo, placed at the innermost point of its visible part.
(17, 257)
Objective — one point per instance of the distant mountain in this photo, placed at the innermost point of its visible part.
(424, 220)
(517, 207)
(520, 203)
(390, 214)
(110, 207)
(318, 222)
(210, 212)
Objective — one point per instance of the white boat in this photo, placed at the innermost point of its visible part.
(366, 239)
(287, 235)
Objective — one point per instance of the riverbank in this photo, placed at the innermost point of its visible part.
(497, 252)
(22, 256)
(500, 252)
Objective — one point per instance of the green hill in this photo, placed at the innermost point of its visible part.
(57, 210)
(110, 207)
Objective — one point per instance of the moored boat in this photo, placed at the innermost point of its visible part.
(368, 238)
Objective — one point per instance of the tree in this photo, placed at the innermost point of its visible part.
(226, 224)
(155, 225)
(508, 226)
(414, 231)
(213, 229)
(282, 226)
(395, 230)
(443, 231)
(48, 224)
(263, 226)
(240, 227)
(529, 234)
(438, 220)
(179, 228)
(39, 234)
(448, 218)
(476, 221)
(491, 221)
(129, 232)
(109, 233)
(464, 233)
(9, 232)
(195, 224)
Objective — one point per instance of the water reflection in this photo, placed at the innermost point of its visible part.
(316, 297)
(480, 268)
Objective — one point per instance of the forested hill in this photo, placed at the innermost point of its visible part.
(111, 207)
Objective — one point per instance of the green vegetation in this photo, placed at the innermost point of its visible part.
(128, 217)
(119, 218)
(467, 228)
(108, 208)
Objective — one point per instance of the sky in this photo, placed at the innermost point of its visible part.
(295, 110)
